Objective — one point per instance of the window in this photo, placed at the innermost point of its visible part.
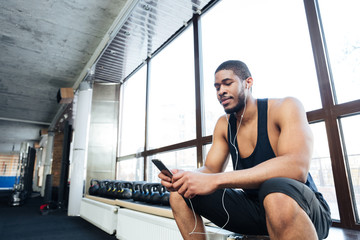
(274, 43)
(340, 21)
(130, 169)
(171, 117)
(320, 168)
(184, 159)
(133, 114)
(351, 132)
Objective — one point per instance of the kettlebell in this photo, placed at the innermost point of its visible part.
(155, 195)
(94, 187)
(137, 188)
(165, 196)
(145, 192)
(109, 189)
(126, 190)
(117, 193)
(103, 188)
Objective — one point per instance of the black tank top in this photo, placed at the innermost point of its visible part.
(263, 150)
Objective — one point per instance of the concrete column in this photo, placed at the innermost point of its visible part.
(79, 154)
(48, 160)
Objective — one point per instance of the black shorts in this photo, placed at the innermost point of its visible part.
(247, 214)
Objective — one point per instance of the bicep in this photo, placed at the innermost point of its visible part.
(295, 139)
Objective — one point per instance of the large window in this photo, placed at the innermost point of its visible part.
(340, 23)
(321, 169)
(273, 42)
(132, 132)
(351, 133)
(171, 111)
(279, 41)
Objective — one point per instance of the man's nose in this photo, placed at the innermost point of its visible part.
(222, 91)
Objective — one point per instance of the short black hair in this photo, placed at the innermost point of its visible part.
(238, 67)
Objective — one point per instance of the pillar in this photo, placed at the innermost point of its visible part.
(80, 144)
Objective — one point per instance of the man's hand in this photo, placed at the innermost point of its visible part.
(167, 181)
(190, 184)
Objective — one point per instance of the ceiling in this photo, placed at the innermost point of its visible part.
(48, 45)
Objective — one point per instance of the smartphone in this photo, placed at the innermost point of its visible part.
(160, 165)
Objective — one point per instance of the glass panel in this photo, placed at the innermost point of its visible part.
(340, 21)
(171, 116)
(130, 169)
(184, 159)
(321, 169)
(273, 42)
(351, 133)
(132, 133)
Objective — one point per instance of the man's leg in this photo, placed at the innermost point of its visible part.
(293, 210)
(184, 218)
(285, 219)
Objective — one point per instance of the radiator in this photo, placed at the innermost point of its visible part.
(134, 225)
(102, 215)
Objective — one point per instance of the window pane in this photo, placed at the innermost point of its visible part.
(171, 116)
(132, 133)
(340, 21)
(130, 170)
(321, 169)
(182, 159)
(351, 133)
(272, 38)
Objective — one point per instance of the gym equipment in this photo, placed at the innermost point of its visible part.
(94, 187)
(126, 190)
(103, 188)
(137, 190)
(165, 196)
(155, 194)
(145, 192)
(24, 176)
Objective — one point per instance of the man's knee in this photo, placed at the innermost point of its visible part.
(280, 209)
(176, 200)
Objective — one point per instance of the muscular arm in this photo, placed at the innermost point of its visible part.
(217, 157)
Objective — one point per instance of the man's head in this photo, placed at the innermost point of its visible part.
(232, 83)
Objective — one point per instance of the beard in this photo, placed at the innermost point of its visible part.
(239, 106)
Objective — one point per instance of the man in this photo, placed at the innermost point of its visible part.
(270, 191)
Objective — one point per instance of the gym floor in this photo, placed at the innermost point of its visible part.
(27, 223)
